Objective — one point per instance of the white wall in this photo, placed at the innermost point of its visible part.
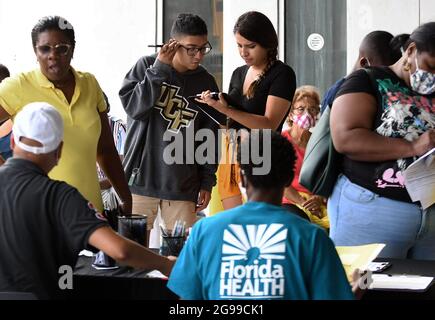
(427, 11)
(111, 35)
(394, 16)
(232, 10)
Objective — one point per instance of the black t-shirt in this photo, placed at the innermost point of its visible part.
(44, 224)
(279, 81)
(402, 113)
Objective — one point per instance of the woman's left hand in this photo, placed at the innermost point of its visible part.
(220, 105)
(314, 205)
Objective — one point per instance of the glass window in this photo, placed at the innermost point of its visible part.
(324, 67)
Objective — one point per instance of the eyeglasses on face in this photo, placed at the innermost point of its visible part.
(60, 49)
(192, 51)
(312, 110)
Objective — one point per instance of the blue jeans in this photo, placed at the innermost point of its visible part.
(5, 147)
(358, 216)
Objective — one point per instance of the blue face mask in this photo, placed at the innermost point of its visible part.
(422, 81)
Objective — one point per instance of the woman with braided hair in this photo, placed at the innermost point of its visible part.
(261, 92)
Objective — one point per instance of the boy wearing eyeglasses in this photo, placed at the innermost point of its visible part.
(163, 121)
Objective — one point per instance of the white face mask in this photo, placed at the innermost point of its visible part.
(422, 81)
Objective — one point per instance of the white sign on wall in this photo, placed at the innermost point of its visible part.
(315, 41)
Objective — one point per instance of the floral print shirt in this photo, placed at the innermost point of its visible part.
(402, 113)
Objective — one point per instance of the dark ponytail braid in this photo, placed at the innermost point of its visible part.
(272, 53)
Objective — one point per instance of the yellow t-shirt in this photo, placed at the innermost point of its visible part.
(77, 165)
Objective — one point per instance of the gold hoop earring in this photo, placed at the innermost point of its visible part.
(406, 66)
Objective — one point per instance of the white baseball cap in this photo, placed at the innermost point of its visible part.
(41, 122)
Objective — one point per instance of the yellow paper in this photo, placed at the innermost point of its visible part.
(358, 257)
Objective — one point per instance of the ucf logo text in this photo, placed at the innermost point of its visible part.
(174, 108)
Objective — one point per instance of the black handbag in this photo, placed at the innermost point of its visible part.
(322, 163)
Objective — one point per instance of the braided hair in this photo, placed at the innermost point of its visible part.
(270, 62)
(256, 27)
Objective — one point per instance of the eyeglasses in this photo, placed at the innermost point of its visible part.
(312, 110)
(60, 49)
(192, 51)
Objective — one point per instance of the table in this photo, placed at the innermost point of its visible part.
(128, 283)
(410, 267)
(123, 283)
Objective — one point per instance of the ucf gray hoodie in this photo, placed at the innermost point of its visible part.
(155, 98)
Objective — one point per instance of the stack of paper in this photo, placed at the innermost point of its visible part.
(400, 282)
(358, 257)
(420, 179)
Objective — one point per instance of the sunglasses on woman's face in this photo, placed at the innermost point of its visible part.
(59, 49)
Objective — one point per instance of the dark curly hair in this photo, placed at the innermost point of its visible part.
(188, 24)
(282, 159)
(4, 72)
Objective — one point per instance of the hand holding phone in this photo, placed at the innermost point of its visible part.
(214, 95)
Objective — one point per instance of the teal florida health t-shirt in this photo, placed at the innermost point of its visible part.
(258, 251)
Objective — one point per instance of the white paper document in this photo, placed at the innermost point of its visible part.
(400, 282)
(358, 257)
(420, 179)
(156, 274)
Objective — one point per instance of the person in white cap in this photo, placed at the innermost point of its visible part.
(44, 223)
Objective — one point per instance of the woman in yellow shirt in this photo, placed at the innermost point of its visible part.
(80, 101)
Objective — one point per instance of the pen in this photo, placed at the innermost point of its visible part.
(214, 95)
(217, 122)
(183, 230)
(155, 45)
(164, 232)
